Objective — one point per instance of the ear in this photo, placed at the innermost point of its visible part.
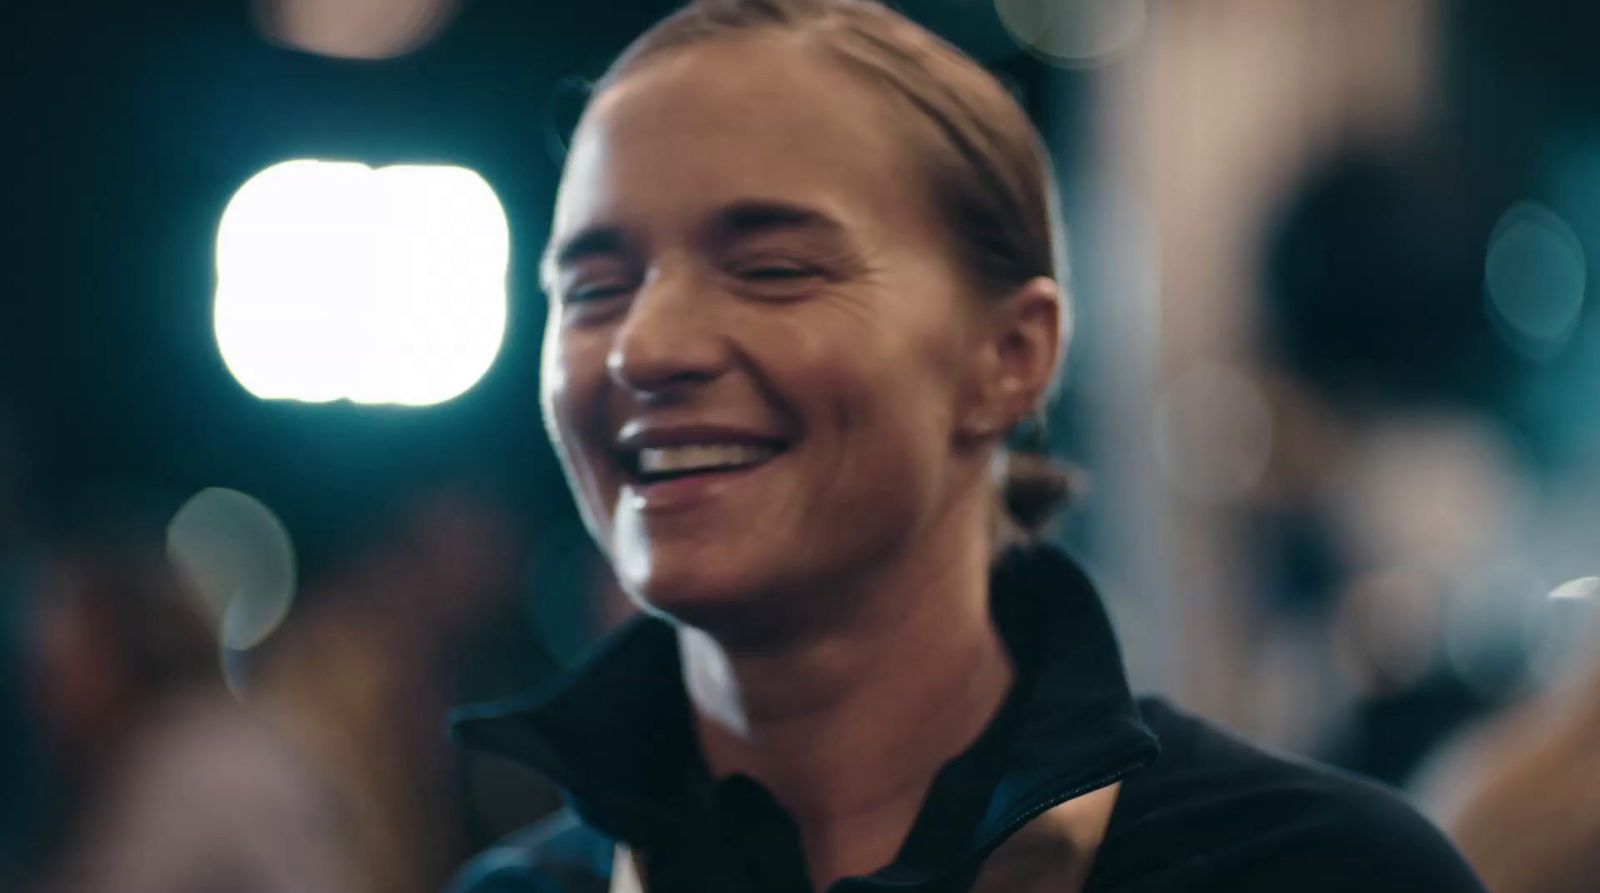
(1016, 359)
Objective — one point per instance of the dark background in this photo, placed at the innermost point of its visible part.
(126, 128)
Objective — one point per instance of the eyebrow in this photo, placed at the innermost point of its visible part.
(602, 240)
(739, 220)
(759, 216)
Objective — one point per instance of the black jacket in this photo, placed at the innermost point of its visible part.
(1198, 811)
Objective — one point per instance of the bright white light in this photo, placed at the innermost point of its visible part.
(340, 281)
(1583, 587)
(238, 557)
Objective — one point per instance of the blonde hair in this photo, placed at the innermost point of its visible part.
(987, 166)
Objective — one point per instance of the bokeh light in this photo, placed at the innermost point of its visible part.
(1535, 276)
(1583, 587)
(1388, 623)
(237, 555)
(353, 29)
(1075, 33)
(340, 281)
(1433, 491)
(1563, 640)
(1214, 433)
(1491, 616)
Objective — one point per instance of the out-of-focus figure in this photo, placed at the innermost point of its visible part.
(178, 786)
(359, 678)
(1522, 797)
(318, 762)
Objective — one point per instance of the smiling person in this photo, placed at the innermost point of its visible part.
(803, 279)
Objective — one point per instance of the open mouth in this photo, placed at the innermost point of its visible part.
(652, 465)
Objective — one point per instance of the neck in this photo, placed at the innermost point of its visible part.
(847, 726)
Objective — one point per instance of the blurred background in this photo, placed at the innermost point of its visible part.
(1336, 386)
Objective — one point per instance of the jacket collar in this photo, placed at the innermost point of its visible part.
(614, 734)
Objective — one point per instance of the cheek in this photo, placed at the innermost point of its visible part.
(887, 374)
(554, 383)
(572, 374)
(877, 394)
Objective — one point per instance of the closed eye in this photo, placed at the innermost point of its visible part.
(775, 272)
(592, 293)
(777, 281)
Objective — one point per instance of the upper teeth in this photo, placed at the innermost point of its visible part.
(711, 455)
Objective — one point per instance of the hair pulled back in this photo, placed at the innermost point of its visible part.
(988, 169)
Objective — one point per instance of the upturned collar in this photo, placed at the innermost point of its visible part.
(615, 734)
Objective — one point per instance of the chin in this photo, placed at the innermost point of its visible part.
(693, 591)
(724, 601)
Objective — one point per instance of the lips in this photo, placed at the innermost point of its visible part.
(670, 468)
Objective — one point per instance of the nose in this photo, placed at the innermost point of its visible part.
(668, 340)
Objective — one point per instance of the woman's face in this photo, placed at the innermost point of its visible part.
(759, 347)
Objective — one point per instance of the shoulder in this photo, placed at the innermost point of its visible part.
(557, 855)
(1225, 814)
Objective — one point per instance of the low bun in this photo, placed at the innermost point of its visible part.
(1034, 489)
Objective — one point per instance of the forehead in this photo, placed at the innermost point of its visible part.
(732, 119)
